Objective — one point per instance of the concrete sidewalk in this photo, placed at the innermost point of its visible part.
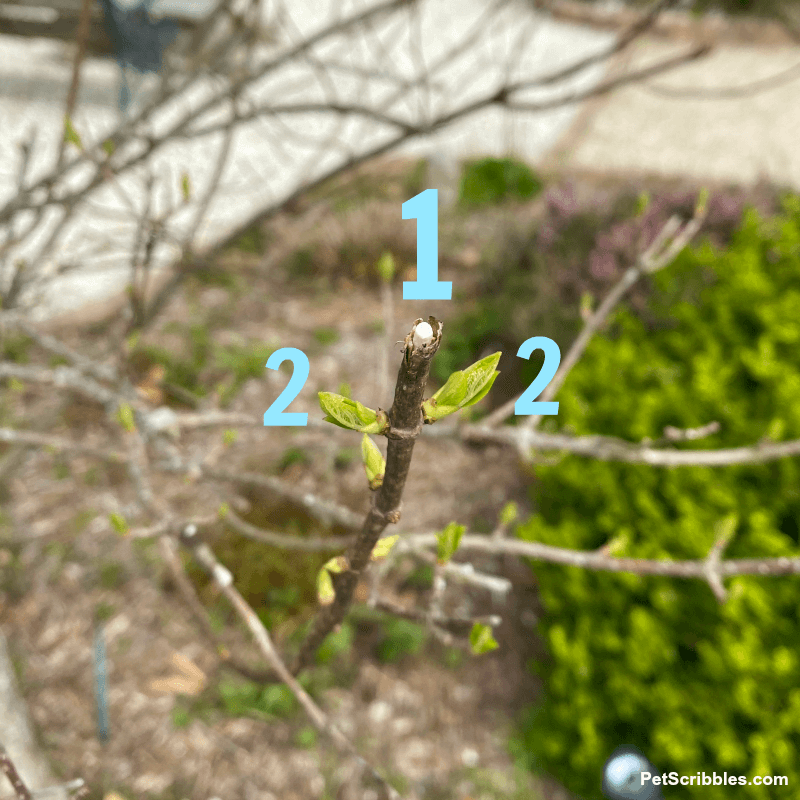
(731, 117)
(269, 161)
(651, 128)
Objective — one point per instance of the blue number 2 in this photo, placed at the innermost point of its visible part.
(273, 415)
(424, 207)
(525, 405)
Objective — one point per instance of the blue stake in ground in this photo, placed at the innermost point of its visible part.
(622, 776)
(138, 40)
(100, 685)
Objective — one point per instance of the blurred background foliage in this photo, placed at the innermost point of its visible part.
(658, 662)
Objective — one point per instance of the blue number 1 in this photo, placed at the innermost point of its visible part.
(424, 208)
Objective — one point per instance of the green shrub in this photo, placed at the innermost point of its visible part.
(246, 698)
(493, 180)
(326, 336)
(15, 347)
(205, 362)
(400, 638)
(292, 456)
(337, 644)
(657, 662)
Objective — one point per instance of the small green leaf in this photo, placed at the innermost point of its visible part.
(479, 375)
(384, 547)
(702, 202)
(71, 135)
(125, 417)
(326, 594)
(448, 541)
(454, 392)
(433, 412)
(351, 414)
(619, 544)
(366, 415)
(483, 392)
(725, 529)
(481, 639)
(186, 187)
(230, 436)
(386, 267)
(447, 400)
(108, 146)
(223, 510)
(587, 301)
(133, 340)
(642, 203)
(325, 591)
(119, 523)
(374, 464)
(509, 513)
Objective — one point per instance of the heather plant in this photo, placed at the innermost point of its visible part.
(663, 666)
(551, 273)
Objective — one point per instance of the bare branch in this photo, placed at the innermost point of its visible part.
(285, 541)
(714, 560)
(603, 562)
(14, 778)
(82, 37)
(610, 448)
(224, 580)
(53, 345)
(168, 550)
(58, 443)
(60, 377)
(458, 625)
(324, 510)
(656, 257)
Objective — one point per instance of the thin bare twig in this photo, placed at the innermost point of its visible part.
(656, 257)
(691, 568)
(14, 778)
(611, 448)
(82, 38)
(286, 541)
(224, 580)
(58, 443)
(168, 550)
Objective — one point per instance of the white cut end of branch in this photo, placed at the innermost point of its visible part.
(423, 333)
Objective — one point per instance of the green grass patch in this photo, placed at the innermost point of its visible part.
(491, 181)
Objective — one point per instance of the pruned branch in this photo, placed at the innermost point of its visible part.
(405, 424)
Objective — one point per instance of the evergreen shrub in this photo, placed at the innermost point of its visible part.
(655, 662)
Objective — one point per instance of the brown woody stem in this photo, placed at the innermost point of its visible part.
(405, 424)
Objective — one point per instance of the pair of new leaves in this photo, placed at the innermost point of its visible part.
(463, 388)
